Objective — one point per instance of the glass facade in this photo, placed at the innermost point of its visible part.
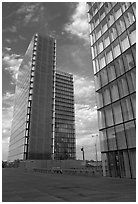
(113, 47)
(37, 126)
(65, 143)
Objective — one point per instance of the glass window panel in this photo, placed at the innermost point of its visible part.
(106, 40)
(106, 96)
(127, 109)
(98, 32)
(118, 11)
(132, 34)
(130, 134)
(134, 52)
(114, 91)
(132, 156)
(133, 100)
(116, 49)
(93, 37)
(117, 113)
(128, 60)
(109, 56)
(125, 5)
(109, 116)
(102, 13)
(120, 25)
(103, 140)
(107, 6)
(122, 85)
(102, 61)
(110, 18)
(99, 100)
(119, 66)
(93, 53)
(96, 19)
(113, 32)
(129, 17)
(97, 81)
(124, 42)
(120, 135)
(111, 138)
(111, 72)
(134, 8)
(131, 79)
(101, 119)
(100, 46)
(104, 77)
(104, 26)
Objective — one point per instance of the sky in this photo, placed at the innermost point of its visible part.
(68, 23)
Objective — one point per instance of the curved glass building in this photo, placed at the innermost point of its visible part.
(113, 48)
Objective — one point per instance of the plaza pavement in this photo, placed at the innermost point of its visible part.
(19, 186)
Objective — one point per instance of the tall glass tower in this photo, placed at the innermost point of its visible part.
(113, 48)
(33, 131)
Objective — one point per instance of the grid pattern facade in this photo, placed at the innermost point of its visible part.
(64, 143)
(31, 132)
(113, 48)
(43, 119)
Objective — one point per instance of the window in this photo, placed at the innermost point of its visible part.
(106, 40)
(118, 11)
(102, 61)
(125, 5)
(111, 72)
(103, 140)
(128, 60)
(119, 66)
(129, 17)
(122, 85)
(99, 100)
(106, 96)
(100, 46)
(124, 42)
(131, 79)
(93, 38)
(109, 116)
(132, 34)
(102, 13)
(109, 56)
(117, 113)
(113, 32)
(110, 19)
(126, 109)
(120, 135)
(98, 32)
(101, 119)
(104, 78)
(133, 100)
(116, 49)
(96, 19)
(130, 134)
(134, 8)
(107, 7)
(97, 81)
(114, 91)
(134, 53)
(111, 138)
(104, 26)
(120, 25)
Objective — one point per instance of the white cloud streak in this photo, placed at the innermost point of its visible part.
(78, 24)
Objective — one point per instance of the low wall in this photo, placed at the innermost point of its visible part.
(49, 164)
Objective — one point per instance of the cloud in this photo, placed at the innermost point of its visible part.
(31, 12)
(11, 63)
(78, 24)
(12, 29)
